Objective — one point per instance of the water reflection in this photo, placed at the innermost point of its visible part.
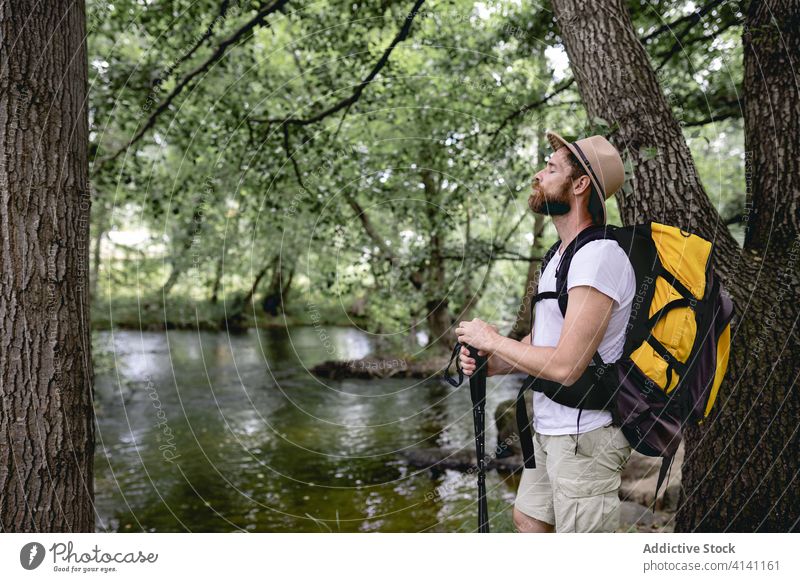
(200, 431)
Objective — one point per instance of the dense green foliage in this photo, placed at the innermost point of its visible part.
(371, 206)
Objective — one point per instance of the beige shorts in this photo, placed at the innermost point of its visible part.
(576, 493)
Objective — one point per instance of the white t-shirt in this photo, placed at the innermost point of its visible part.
(601, 264)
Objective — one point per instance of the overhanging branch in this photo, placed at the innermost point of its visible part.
(218, 53)
(356, 95)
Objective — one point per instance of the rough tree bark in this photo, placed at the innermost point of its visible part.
(740, 467)
(46, 416)
(618, 84)
(772, 119)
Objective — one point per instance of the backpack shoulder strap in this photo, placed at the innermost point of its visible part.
(537, 296)
(549, 255)
(587, 235)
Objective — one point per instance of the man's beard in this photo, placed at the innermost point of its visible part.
(551, 205)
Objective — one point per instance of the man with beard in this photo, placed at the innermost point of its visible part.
(574, 487)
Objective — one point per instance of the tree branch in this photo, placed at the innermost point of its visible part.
(713, 118)
(692, 18)
(678, 46)
(223, 12)
(735, 219)
(218, 53)
(347, 102)
(566, 84)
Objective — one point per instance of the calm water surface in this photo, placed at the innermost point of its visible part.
(207, 432)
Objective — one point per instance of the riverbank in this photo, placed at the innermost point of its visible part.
(152, 313)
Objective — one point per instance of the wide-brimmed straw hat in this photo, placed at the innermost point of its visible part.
(600, 159)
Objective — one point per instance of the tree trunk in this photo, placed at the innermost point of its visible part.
(217, 278)
(619, 86)
(772, 119)
(190, 238)
(279, 285)
(234, 321)
(46, 416)
(441, 336)
(174, 274)
(754, 485)
(740, 464)
(287, 284)
(522, 326)
(248, 298)
(283, 283)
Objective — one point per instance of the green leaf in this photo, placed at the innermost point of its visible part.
(647, 154)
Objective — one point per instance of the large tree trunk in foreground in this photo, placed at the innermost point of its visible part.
(46, 417)
(772, 119)
(740, 466)
(764, 403)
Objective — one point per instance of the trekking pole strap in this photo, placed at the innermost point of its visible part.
(454, 357)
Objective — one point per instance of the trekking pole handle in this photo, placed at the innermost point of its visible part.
(480, 361)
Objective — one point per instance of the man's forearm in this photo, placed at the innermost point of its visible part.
(498, 366)
(538, 361)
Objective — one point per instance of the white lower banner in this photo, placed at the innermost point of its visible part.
(353, 557)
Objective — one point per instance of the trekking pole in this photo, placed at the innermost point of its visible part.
(477, 391)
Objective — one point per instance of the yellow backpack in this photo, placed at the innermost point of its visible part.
(677, 341)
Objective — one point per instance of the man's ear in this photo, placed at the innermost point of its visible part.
(582, 185)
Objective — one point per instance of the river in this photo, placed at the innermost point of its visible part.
(209, 432)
